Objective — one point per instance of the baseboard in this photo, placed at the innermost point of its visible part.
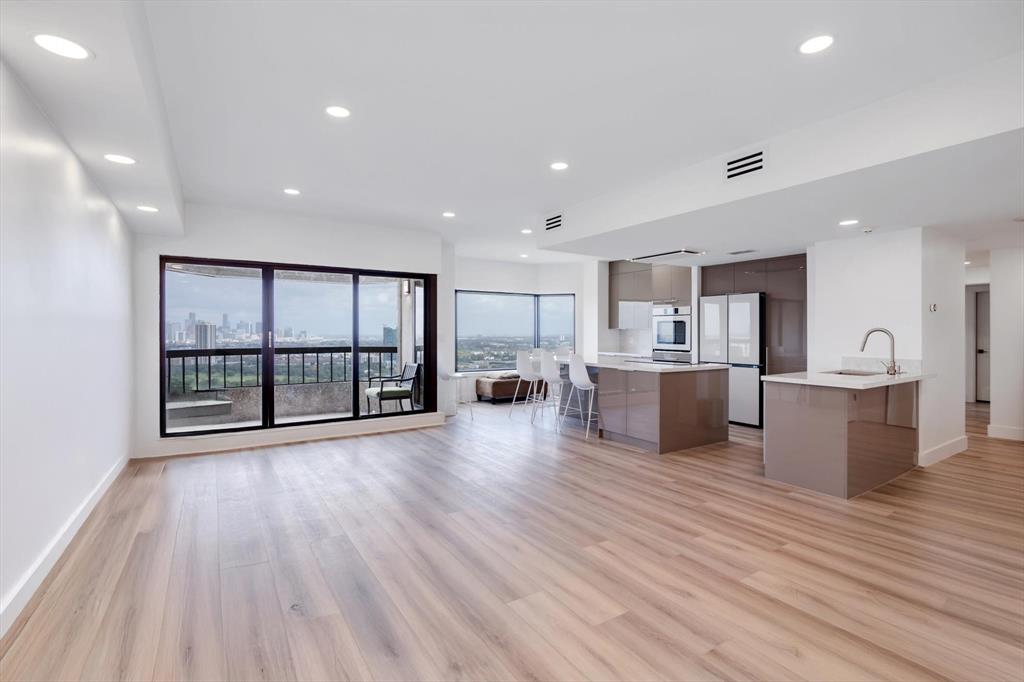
(1007, 432)
(243, 440)
(941, 452)
(14, 602)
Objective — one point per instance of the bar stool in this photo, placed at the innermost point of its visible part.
(551, 373)
(527, 374)
(581, 383)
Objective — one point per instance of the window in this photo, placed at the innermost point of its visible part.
(491, 326)
(257, 345)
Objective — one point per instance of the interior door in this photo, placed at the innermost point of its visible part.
(983, 366)
(744, 329)
(714, 328)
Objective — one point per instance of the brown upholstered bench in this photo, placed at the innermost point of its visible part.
(502, 386)
(497, 386)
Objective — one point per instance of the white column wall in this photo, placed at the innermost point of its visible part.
(1006, 298)
(941, 429)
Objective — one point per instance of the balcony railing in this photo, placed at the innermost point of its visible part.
(217, 369)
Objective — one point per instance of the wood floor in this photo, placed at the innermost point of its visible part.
(494, 550)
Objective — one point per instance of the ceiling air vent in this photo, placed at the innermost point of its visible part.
(748, 163)
(553, 222)
(741, 252)
(677, 252)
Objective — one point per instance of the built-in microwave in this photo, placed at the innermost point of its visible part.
(670, 329)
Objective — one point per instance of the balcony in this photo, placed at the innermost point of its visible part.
(220, 388)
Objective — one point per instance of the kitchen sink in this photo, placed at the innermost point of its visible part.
(853, 372)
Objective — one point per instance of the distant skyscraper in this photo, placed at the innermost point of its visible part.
(390, 336)
(206, 335)
(224, 321)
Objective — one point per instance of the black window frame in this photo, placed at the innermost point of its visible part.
(429, 368)
(536, 322)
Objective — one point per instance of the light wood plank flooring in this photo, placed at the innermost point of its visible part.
(496, 550)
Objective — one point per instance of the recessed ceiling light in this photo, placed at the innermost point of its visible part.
(526, 230)
(523, 255)
(148, 209)
(61, 46)
(847, 223)
(338, 112)
(816, 44)
(559, 165)
(119, 158)
(291, 191)
(447, 214)
(967, 262)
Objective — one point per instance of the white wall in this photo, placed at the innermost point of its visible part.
(1006, 300)
(971, 338)
(220, 232)
(543, 278)
(941, 427)
(66, 351)
(856, 284)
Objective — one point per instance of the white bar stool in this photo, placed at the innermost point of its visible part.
(551, 373)
(528, 375)
(581, 383)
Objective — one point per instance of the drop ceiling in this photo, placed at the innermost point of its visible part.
(462, 106)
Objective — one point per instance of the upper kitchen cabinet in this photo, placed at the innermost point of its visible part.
(749, 277)
(629, 283)
(717, 280)
(670, 285)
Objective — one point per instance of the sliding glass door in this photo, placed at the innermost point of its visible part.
(257, 345)
(312, 345)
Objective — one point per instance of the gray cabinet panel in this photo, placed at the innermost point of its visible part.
(612, 391)
(682, 287)
(661, 283)
(614, 296)
(717, 280)
(643, 401)
(749, 276)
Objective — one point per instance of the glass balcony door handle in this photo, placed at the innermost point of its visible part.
(270, 339)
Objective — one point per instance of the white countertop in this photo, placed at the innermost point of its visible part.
(626, 364)
(844, 380)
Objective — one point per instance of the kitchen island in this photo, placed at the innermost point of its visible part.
(661, 407)
(841, 433)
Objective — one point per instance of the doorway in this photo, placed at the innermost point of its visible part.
(982, 366)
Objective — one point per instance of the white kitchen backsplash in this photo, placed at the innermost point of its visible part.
(635, 341)
(872, 364)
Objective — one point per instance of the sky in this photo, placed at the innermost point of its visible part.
(319, 308)
(511, 315)
(324, 308)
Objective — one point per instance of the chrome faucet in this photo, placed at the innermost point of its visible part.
(891, 368)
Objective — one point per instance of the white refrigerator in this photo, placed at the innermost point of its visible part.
(732, 332)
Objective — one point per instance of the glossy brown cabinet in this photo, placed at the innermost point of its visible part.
(642, 403)
(670, 285)
(717, 280)
(663, 412)
(784, 283)
(748, 277)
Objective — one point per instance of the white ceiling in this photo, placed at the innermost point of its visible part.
(106, 104)
(461, 106)
(973, 190)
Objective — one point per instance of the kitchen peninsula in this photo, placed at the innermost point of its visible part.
(661, 406)
(841, 433)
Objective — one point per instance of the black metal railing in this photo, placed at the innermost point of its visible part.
(218, 369)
